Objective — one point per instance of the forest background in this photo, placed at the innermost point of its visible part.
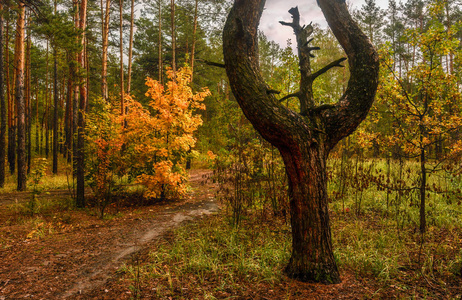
(101, 96)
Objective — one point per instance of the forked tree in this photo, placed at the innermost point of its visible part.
(303, 138)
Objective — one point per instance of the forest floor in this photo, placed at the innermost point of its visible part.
(73, 253)
(63, 253)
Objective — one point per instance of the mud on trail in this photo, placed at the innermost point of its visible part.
(73, 254)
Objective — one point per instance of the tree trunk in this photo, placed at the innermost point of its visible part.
(172, 23)
(312, 254)
(55, 113)
(75, 89)
(304, 139)
(81, 114)
(37, 122)
(160, 42)
(28, 100)
(105, 34)
(11, 113)
(122, 100)
(68, 122)
(2, 108)
(193, 46)
(46, 117)
(20, 100)
(55, 108)
(130, 46)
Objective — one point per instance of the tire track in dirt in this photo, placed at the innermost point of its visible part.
(70, 265)
(93, 279)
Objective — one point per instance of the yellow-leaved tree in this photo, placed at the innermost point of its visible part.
(157, 138)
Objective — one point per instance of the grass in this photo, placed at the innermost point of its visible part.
(212, 257)
(50, 182)
(373, 241)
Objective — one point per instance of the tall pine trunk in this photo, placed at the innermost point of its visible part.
(46, 117)
(68, 120)
(55, 107)
(159, 42)
(193, 46)
(130, 45)
(105, 37)
(121, 20)
(80, 201)
(2, 108)
(28, 101)
(20, 99)
(172, 23)
(11, 112)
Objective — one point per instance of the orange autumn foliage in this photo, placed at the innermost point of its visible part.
(158, 138)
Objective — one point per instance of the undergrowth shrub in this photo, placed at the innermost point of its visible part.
(149, 143)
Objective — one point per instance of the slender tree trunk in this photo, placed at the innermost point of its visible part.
(69, 121)
(159, 42)
(20, 100)
(423, 180)
(75, 88)
(122, 100)
(11, 112)
(46, 117)
(28, 102)
(105, 34)
(87, 68)
(193, 49)
(193, 46)
(172, 19)
(55, 107)
(130, 45)
(82, 108)
(37, 121)
(2, 108)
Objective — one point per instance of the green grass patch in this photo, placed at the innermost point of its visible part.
(212, 259)
(212, 256)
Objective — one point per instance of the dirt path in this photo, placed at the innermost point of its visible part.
(73, 262)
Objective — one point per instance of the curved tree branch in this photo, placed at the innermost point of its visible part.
(363, 59)
(296, 94)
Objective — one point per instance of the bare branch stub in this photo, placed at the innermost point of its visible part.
(333, 64)
(304, 53)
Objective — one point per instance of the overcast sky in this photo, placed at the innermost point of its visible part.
(277, 10)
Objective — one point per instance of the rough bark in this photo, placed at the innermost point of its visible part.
(20, 99)
(304, 139)
(2, 108)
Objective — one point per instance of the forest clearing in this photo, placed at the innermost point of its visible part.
(174, 150)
